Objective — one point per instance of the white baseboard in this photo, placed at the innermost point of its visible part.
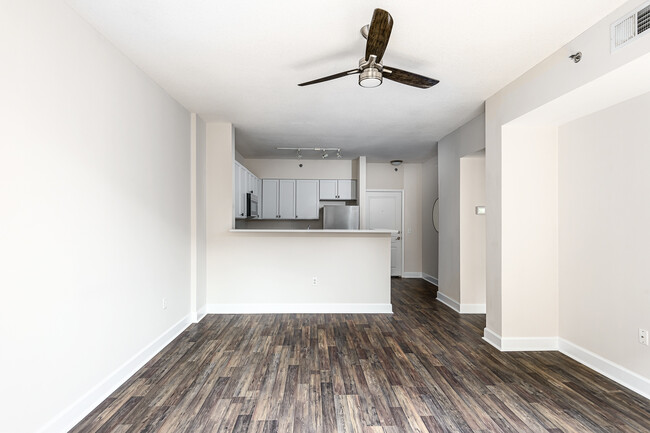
(429, 278)
(299, 308)
(201, 313)
(492, 337)
(454, 305)
(411, 274)
(520, 344)
(607, 368)
(74, 413)
(472, 308)
(615, 372)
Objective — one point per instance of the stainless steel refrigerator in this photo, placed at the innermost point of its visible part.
(340, 217)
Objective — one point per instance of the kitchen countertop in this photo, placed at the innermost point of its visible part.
(316, 231)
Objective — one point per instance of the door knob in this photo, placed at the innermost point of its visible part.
(398, 238)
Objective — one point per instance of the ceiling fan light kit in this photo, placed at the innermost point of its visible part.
(370, 77)
(371, 71)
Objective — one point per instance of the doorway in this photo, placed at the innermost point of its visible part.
(472, 233)
(384, 210)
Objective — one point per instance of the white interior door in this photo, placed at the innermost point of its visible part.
(384, 211)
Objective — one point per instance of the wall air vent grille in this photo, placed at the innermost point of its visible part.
(629, 27)
(643, 20)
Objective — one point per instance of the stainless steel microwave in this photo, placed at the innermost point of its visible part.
(252, 206)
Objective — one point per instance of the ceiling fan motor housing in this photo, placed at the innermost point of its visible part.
(370, 77)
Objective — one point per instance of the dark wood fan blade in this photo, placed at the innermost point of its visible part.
(378, 34)
(331, 77)
(408, 78)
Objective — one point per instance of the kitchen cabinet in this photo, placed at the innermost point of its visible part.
(245, 182)
(270, 197)
(278, 199)
(338, 189)
(289, 199)
(307, 199)
(239, 195)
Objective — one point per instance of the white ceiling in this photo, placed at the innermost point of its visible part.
(241, 61)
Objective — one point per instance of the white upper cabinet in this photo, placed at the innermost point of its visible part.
(251, 182)
(328, 189)
(270, 192)
(347, 189)
(307, 199)
(342, 189)
(287, 199)
(245, 182)
(239, 194)
(299, 198)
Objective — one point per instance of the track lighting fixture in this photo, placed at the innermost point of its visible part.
(324, 151)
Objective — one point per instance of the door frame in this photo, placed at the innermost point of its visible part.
(401, 192)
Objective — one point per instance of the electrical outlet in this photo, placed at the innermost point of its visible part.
(164, 303)
(314, 281)
(643, 336)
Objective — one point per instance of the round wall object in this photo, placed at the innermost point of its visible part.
(435, 215)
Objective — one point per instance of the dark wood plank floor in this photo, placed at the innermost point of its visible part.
(423, 369)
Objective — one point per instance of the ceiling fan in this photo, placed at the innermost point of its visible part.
(371, 71)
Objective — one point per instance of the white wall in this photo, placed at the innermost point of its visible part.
(95, 218)
(384, 176)
(550, 80)
(466, 140)
(201, 288)
(472, 231)
(408, 177)
(429, 234)
(311, 168)
(412, 219)
(604, 237)
(529, 205)
(254, 272)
